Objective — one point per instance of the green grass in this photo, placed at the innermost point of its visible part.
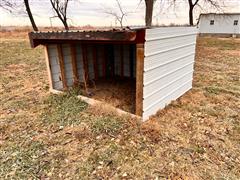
(109, 125)
(61, 137)
(22, 161)
(64, 110)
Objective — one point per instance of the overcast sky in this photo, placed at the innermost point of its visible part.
(91, 12)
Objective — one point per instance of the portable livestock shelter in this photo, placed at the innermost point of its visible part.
(159, 62)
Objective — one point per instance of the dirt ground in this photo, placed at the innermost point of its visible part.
(44, 136)
(117, 92)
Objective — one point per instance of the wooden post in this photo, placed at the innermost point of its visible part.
(111, 59)
(48, 68)
(122, 60)
(104, 63)
(85, 60)
(85, 66)
(61, 63)
(74, 65)
(131, 60)
(139, 78)
(95, 64)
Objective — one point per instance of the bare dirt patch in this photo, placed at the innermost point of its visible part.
(119, 93)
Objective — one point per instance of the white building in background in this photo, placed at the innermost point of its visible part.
(225, 24)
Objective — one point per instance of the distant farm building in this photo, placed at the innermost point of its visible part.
(137, 70)
(225, 25)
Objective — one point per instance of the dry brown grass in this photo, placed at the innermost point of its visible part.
(58, 137)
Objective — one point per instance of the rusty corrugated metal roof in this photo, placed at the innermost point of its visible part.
(114, 35)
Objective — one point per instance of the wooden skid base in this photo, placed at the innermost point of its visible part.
(93, 102)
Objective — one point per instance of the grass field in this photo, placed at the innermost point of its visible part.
(44, 136)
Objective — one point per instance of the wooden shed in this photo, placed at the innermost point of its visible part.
(147, 67)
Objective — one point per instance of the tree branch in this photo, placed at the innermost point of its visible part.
(60, 8)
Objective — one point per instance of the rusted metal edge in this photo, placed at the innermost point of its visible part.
(37, 38)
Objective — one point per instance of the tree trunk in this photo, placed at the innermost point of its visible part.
(65, 25)
(30, 15)
(149, 12)
(191, 16)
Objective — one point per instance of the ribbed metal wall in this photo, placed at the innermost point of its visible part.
(168, 66)
(55, 67)
(66, 51)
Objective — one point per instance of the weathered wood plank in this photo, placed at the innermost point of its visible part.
(61, 63)
(48, 68)
(139, 78)
(119, 36)
(74, 65)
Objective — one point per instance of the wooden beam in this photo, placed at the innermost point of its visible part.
(48, 68)
(115, 36)
(74, 65)
(95, 64)
(139, 78)
(101, 104)
(62, 68)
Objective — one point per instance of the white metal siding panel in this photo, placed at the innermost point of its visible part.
(161, 103)
(163, 91)
(100, 59)
(126, 60)
(58, 85)
(168, 66)
(67, 64)
(54, 66)
(79, 62)
(90, 62)
(52, 50)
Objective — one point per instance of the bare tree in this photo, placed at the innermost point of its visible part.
(149, 12)
(60, 7)
(193, 3)
(12, 6)
(7, 5)
(119, 16)
(30, 15)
